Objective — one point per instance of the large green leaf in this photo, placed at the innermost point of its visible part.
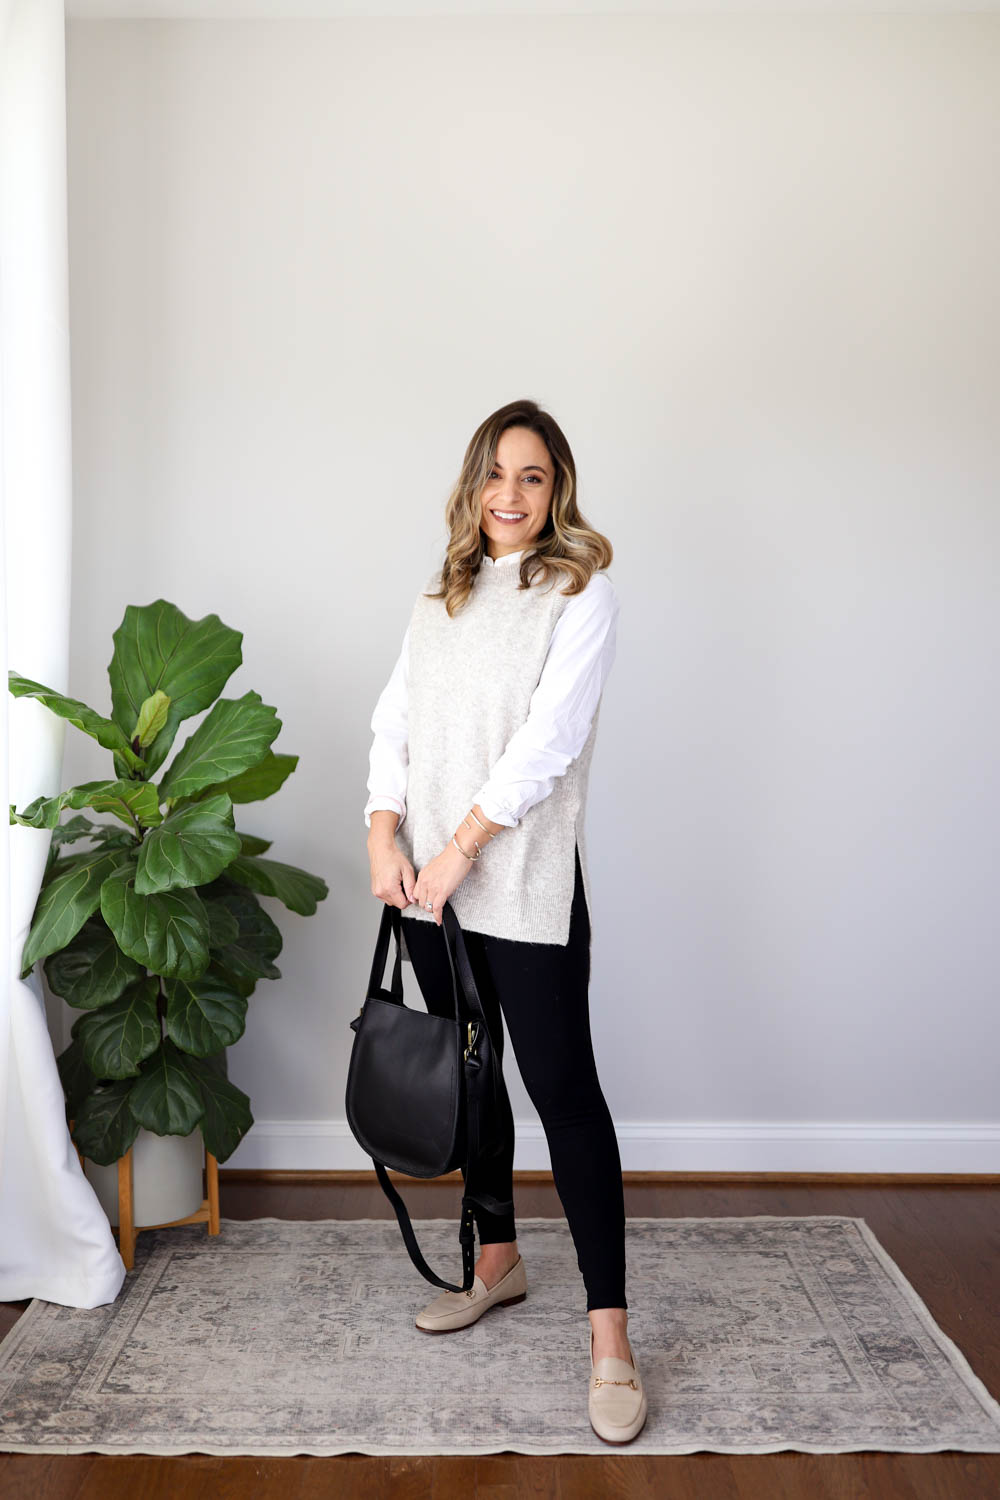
(167, 933)
(223, 927)
(106, 732)
(167, 1098)
(233, 737)
(204, 1015)
(74, 1075)
(60, 864)
(119, 1036)
(92, 970)
(131, 801)
(83, 828)
(250, 954)
(251, 844)
(68, 900)
(191, 847)
(105, 1127)
(158, 649)
(227, 1116)
(261, 780)
(299, 890)
(219, 1062)
(108, 835)
(111, 836)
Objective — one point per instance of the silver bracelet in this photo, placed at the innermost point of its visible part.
(471, 813)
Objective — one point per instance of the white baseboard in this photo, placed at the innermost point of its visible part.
(660, 1146)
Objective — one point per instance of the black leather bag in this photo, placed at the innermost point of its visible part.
(425, 1091)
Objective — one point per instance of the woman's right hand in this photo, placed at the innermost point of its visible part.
(393, 876)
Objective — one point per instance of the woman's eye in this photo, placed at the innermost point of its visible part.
(536, 477)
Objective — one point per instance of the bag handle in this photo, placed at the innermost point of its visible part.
(462, 977)
(381, 954)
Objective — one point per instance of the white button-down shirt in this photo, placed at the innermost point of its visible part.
(580, 656)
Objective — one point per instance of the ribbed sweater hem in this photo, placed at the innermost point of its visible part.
(516, 912)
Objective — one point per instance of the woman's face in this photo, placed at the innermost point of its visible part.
(519, 484)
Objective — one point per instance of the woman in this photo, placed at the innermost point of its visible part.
(478, 778)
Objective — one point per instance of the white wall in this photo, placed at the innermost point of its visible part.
(750, 264)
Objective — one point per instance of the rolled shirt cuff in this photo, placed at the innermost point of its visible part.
(495, 810)
(387, 802)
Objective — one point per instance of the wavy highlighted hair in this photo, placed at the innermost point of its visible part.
(566, 542)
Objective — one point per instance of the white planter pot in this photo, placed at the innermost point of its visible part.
(166, 1179)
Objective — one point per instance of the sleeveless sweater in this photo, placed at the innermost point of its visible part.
(470, 684)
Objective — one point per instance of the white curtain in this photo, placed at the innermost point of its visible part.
(55, 1240)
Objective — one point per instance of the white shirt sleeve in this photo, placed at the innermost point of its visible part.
(389, 757)
(580, 656)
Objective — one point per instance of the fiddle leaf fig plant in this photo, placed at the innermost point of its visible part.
(154, 929)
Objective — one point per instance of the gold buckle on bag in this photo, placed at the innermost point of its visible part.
(469, 1044)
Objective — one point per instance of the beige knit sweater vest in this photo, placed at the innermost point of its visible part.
(470, 684)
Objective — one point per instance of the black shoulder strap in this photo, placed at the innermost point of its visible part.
(465, 981)
(466, 1233)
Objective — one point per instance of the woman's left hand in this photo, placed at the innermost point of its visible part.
(438, 880)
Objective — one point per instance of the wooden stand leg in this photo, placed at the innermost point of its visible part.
(126, 1217)
(212, 1186)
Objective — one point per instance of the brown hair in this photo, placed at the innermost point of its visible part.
(566, 542)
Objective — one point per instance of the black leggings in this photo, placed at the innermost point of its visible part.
(540, 989)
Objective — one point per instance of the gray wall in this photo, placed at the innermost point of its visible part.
(750, 264)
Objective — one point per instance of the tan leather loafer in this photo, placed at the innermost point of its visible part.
(616, 1401)
(458, 1309)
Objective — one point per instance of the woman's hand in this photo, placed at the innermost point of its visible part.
(438, 880)
(393, 878)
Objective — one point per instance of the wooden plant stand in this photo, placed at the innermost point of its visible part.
(207, 1214)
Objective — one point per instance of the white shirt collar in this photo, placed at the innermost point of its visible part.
(499, 562)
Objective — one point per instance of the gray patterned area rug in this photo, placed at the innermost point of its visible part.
(753, 1335)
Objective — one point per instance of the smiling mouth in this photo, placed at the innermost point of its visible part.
(509, 516)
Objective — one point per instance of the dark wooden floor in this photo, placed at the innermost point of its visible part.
(945, 1239)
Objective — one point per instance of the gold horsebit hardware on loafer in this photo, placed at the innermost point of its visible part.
(600, 1380)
